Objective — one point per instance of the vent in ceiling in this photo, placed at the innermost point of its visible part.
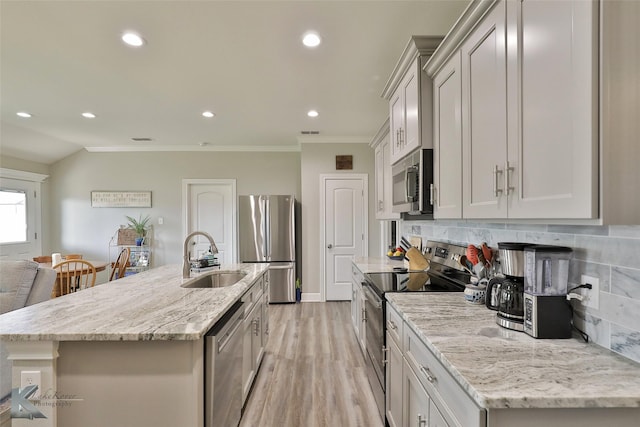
(310, 132)
(146, 139)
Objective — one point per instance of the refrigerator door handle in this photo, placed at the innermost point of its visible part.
(281, 267)
(267, 231)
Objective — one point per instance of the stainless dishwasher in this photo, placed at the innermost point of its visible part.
(223, 370)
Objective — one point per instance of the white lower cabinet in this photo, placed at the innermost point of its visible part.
(420, 391)
(393, 369)
(255, 333)
(415, 399)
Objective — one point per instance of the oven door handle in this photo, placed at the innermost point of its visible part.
(372, 296)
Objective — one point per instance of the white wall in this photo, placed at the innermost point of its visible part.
(317, 159)
(77, 227)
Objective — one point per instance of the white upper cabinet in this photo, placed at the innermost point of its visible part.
(383, 188)
(484, 118)
(553, 105)
(409, 93)
(447, 141)
(529, 102)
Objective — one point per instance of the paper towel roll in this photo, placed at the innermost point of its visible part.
(56, 259)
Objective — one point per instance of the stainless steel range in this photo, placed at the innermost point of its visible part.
(443, 275)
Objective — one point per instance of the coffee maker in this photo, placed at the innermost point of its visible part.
(547, 313)
(505, 294)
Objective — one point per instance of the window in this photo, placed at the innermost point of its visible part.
(13, 216)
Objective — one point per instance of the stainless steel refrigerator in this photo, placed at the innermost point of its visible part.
(267, 231)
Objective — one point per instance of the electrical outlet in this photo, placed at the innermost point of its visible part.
(591, 296)
(31, 378)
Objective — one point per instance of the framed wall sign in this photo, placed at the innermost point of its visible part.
(344, 162)
(121, 199)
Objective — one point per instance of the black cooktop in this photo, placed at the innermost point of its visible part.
(423, 281)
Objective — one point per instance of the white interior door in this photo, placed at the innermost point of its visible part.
(210, 206)
(20, 213)
(345, 230)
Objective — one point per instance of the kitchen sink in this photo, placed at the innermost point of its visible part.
(215, 279)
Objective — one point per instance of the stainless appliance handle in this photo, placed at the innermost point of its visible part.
(222, 341)
(385, 353)
(281, 267)
(406, 185)
(422, 421)
(372, 296)
(267, 231)
(431, 193)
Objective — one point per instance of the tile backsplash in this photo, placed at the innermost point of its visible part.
(610, 253)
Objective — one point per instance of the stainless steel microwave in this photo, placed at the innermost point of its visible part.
(412, 183)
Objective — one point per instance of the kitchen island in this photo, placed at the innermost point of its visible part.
(514, 379)
(128, 352)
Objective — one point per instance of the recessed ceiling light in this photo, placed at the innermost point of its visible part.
(208, 114)
(88, 115)
(133, 39)
(311, 39)
(312, 113)
(23, 114)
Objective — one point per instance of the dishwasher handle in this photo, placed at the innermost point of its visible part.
(224, 339)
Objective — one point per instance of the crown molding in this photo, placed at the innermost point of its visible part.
(416, 47)
(457, 34)
(22, 175)
(189, 148)
(317, 139)
(381, 134)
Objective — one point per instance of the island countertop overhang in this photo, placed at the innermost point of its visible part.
(144, 307)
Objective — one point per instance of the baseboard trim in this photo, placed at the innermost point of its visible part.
(311, 297)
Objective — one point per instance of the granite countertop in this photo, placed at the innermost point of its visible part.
(376, 264)
(500, 368)
(147, 306)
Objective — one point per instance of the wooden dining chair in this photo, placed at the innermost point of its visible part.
(75, 275)
(120, 266)
(42, 259)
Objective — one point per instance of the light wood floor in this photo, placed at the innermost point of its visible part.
(313, 372)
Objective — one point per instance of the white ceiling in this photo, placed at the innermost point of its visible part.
(241, 59)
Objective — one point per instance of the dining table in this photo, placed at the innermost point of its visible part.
(56, 292)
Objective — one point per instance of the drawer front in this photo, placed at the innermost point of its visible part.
(454, 404)
(252, 296)
(394, 325)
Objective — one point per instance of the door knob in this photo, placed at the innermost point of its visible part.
(330, 246)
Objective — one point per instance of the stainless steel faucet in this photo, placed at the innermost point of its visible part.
(186, 265)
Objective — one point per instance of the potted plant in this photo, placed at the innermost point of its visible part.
(298, 290)
(140, 226)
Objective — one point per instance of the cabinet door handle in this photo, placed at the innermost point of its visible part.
(496, 172)
(507, 184)
(392, 325)
(380, 204)
(401, 136)
(397, 137)
(427, 373)
(422, 421)
(364, 314)
(385, 359)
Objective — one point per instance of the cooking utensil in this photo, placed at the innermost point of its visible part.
(488, 253)
(404, 244)
(472, 254)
